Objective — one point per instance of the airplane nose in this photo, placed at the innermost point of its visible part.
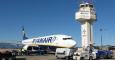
(72, 43)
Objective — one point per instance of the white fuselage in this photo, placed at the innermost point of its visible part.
(52, 40)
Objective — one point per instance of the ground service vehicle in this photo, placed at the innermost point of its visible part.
(81, 54)
(104, 54)
(33, 50)
(66, 53)
(7, 55)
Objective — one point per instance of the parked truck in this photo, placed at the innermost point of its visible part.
(66, 53)
(105, 54)
(75, 54)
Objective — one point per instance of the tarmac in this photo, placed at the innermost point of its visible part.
(38, 57)
(43, 57)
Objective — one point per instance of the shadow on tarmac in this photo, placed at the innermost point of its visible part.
(21, 59)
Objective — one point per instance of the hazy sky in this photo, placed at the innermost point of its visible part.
(47, 17)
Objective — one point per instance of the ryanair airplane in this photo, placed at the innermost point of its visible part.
(58, 40)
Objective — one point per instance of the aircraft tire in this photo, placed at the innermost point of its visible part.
(82, 58)
(90, 58)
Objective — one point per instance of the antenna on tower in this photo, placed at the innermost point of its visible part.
(87, 1)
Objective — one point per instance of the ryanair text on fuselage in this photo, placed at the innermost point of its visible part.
(44, 40)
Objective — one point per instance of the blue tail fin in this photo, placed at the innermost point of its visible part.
(24, 34)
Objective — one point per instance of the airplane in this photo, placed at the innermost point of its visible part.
(57, 40)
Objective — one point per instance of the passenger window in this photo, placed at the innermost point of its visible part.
(87, 5)
(67, 38)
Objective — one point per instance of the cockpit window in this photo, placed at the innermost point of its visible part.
(82, 6)
(87, 5)
(91, 6)
(67, 38)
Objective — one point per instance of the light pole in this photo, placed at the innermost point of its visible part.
(101, 38)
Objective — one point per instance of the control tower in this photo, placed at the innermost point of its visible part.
(86, 15)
